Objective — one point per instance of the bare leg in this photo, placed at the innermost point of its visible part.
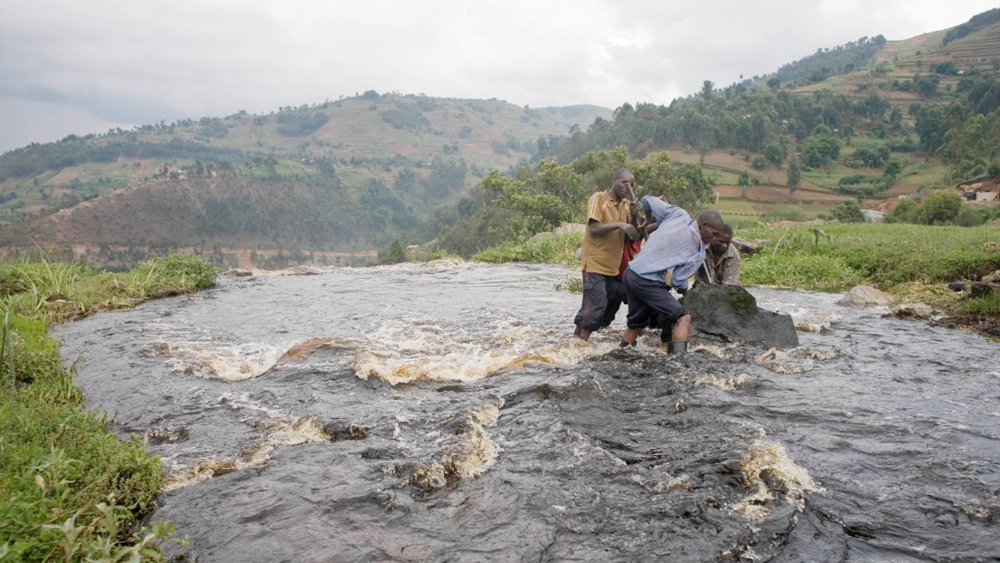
(680, 330)
(576, 332)
(584, 334)
(632, 333)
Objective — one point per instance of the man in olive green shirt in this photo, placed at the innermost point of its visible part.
(722, 260)
(601, 255)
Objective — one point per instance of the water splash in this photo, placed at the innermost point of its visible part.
(277, 429)
(467, 454)
(766, 460)
(407, 351)
(725, 383)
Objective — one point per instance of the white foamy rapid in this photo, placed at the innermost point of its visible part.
(469, 453)
(406, 352)
(277, 429)
(770, 458)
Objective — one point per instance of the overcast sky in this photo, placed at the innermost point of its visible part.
(84, 66)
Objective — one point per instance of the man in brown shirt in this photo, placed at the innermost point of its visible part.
(601, 255)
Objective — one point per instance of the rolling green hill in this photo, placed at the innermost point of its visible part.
(341, 175)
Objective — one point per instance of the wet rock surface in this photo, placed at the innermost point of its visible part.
(911, 311)
(861, 296)
(731, 314)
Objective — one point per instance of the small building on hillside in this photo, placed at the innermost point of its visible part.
(873, 216)
(981, 188)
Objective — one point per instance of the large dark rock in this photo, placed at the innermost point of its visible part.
(730, 313)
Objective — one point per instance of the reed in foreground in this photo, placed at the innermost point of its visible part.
(70, 490)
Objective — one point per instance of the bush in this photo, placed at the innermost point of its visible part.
(300, 124)
(905, 211)
(940, 208)
(179, 271)
(545, 248)
(392, 254)
(972, 217)
(848, 212)
(406, 117)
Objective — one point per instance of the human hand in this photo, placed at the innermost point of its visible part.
(630, 230)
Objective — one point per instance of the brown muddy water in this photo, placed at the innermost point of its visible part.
(443, 412)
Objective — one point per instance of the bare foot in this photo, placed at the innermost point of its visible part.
(631, 334)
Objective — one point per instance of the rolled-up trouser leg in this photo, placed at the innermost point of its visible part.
(595, 302)
(648, 297)
(616, 296)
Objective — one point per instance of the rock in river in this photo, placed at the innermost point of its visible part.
(861, 296)
(731, 314)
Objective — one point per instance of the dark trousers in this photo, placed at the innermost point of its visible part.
(602, 297)
(650, 303)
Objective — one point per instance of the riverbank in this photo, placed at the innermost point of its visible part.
(914, 263)
(69, 488)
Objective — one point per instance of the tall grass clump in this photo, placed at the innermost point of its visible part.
(543, 248)
(881, 254)
(70, 490)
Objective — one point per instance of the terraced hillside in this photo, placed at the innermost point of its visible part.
(386, 159)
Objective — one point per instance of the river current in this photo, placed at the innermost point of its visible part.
(444, 412)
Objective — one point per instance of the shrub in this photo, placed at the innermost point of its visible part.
(300, 124)
(544, 248)
(848, 212)
(905, 211)
(941, 207)
(179, 271)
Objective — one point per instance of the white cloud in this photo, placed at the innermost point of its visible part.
(135, 62)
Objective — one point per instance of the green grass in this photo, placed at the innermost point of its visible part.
(734, 206)
(805, 271)
(988, 305)
(881, 254)
(722, 176)
(545, 248)
(69, 489)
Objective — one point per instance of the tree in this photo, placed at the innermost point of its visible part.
(818, 150)
(848, 212)
(707, 88)
(794, 174)
(931, 127)
(940, 207)
(774, 154)
(392, 254)
(893, 168)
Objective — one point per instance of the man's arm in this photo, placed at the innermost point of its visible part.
(599, 229)
(731, 270)
(660, 209)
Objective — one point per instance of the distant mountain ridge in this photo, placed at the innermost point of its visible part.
(398, 154)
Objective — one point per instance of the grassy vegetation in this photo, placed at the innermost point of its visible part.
(69, 489)
(913, 262)
(885, 255)
(544, 248)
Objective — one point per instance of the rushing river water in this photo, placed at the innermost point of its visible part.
(443, 412)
